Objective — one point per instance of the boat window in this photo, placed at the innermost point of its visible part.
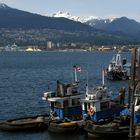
(104, 105)
(52, 104)
(57, 104)
(85, 107)
(73, 102)
(69, 91)
(76, 101)
(88, 106)
(138, 101)
(74, 90)
(66, 103)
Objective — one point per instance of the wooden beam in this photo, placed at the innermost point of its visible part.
(138, 64)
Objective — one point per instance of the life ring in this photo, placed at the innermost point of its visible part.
(91, 110)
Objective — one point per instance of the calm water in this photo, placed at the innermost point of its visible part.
(25, 76)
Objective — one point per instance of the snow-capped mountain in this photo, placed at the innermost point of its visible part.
(120, 28)
(99, 23)
(90, 20)
(65, 15)
(3, 6)
(71, 17)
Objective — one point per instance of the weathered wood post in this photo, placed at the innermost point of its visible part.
(138, 77)
(133, 72)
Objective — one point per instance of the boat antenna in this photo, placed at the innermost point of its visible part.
(72, 77)
(118, 59)
(76, 69)
(87, 85)
(75, 74)
(103, 77)
(86, 90)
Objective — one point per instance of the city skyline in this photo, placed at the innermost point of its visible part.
(97, 8)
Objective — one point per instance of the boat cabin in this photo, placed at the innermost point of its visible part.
(98, 105)
(116, 63)
(65, 102)
(116, 69)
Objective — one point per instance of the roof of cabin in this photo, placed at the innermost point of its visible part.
(94, 100)
(54, 99)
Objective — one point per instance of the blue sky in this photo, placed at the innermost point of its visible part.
(98, 8)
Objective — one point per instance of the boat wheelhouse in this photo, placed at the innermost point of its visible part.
(116, 69)
(98, 106)
(65, 102)
(102, 115)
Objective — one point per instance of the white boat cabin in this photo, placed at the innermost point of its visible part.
(97, 105)
(65, 102)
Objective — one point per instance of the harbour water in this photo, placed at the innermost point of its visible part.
(25, 76)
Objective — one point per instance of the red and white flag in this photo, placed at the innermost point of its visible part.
(78, 69)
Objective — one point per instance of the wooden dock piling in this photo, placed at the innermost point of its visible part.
(132, 86)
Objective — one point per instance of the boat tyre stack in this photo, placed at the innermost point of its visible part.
(25, 124)
(62, 126)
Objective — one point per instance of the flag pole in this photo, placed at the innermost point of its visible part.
(75, 74)
(103, 77)
(87, 85)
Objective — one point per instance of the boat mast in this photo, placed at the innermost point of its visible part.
(87, 85)
(75, 75)
(76, 69)
(118, 59)
(103, 77)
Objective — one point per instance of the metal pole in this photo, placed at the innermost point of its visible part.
(75, 74)
(87, 84)
(103, 77)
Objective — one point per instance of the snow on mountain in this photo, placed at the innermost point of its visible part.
(71, 17)
(99, 23)
(65, 15)
(2, 5)
(90, 20)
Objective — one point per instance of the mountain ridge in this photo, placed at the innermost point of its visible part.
(123, 24)
(29, 28)
(77, 18)
(15, 18)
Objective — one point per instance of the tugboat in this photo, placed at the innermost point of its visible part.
(99, 111)
(116, 70)
(65, 107)
(103, 116)
(98, 104)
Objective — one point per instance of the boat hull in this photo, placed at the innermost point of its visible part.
(25, 124)
(63, 127)
(107, 130)
(117, 75)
